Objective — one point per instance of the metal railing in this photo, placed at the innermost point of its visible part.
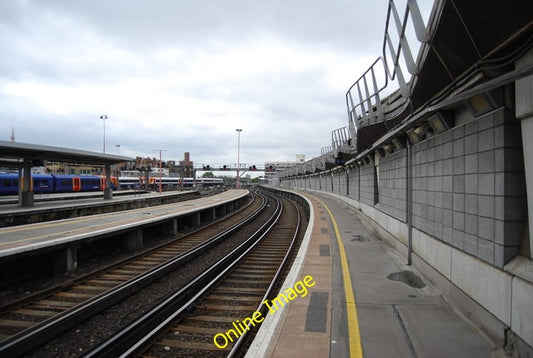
(363, 98)
(340, 140)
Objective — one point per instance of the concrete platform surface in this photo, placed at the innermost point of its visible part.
(398, 313)
(17, 239)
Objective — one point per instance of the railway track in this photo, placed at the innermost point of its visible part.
(34, 320)
(186, 324)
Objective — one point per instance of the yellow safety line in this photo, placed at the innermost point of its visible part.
(353, 325)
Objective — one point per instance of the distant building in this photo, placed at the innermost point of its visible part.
(72, 169)
(273, 168)
(184, 168)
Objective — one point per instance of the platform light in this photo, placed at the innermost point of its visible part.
(339, 161)
(416, 134)
(388, 148)
(104, 117)
(485, 102)
(441, 121)
(399, 143)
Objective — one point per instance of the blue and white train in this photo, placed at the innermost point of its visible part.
(169, 182)
(54, 183)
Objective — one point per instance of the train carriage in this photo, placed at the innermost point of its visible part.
(42, 183)
(52, 183)
(64, 183)
(130, 182)
(9, 183)
(91, 183)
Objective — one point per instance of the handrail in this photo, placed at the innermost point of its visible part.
(340, 139)
(370, 111)
(367, 109)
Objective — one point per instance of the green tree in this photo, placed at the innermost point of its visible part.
(208, 175)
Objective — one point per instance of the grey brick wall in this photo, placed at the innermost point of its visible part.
(368, 188)
(393, 185)
(353, 183)
(343, 183)
(469, 187)
(433, 199)
(335, 178)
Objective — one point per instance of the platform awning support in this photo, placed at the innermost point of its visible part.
(108, 191)
(26, 199)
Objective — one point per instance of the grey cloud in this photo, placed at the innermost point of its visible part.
(173, 74)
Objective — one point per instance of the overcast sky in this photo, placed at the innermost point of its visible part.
(182, 75)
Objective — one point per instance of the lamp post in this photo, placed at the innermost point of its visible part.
(160, 169)
(104, 117)
(238, 181)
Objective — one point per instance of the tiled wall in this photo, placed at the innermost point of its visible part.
(368, 188)
(468, 186)
(469, 189)
(353, 183)
(393, 185)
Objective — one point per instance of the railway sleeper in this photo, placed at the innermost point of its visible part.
(207, 346)
(53, 304)
(184, 328)
(227, 307)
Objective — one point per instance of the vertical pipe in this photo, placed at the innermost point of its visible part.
(409, 203)
(359, 185)
(348, 182)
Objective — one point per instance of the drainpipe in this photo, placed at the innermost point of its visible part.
(359, 186)
(409, 203)
(348, 182)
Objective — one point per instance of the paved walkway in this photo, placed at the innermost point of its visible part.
(25, 238)
(398, 314)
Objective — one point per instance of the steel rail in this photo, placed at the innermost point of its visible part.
(46, 292)
(236, 350)
(133, 336)
(35, 336)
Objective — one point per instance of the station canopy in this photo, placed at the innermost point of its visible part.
(12, 155)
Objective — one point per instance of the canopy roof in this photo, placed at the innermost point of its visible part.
(12, 154)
